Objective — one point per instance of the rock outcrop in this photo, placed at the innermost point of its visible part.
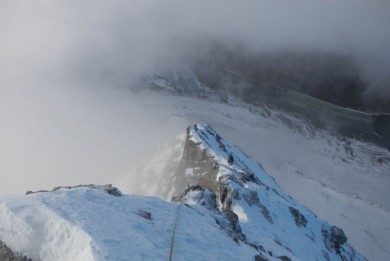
(108, 188)
(6, 254)
(248, 204)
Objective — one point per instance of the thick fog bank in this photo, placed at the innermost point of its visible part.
(68, 137)
(56, 125)
(113, 41)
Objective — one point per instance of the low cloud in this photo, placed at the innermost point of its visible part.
(51, 50)
(113, 41)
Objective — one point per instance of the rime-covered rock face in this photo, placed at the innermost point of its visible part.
(248, 204)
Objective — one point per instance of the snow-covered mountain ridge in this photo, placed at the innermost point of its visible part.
(343, 180)
(226, 208)
(260, 213)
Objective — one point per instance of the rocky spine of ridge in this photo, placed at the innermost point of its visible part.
(6, 254)
(220, 177)
(107, 188)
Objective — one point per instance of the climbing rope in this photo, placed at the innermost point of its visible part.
(174, 230)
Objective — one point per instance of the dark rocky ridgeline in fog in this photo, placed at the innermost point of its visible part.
(325, 89)
(332, 77)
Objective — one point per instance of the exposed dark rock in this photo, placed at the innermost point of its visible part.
(299, 218)
(284, 258)
(253, 245)
(108, 188)
(38, 191)
(249, 177)
(145, 214)
(261, 248)
(337, 237)
(230, 159)
(113, 191)
(221, 145)
(278, 242)
(6, 254)
(235, 225)
(334, 238)
(225, 198)
(205, 197)
(260, 258)
(193, 188)
(266, 213)
(253, 199)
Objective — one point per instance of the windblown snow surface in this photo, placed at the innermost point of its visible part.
(90, 224)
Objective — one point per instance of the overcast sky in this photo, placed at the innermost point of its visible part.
(47, 47)
(93, 40)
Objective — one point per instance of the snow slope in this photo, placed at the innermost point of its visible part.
(90, 224)
(237, 213)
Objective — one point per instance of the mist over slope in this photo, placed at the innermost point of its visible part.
(51, 49)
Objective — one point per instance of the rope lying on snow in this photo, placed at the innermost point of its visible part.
(174, 230)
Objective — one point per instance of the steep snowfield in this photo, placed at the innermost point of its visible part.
(90, 224)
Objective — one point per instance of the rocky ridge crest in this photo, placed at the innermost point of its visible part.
(249, 205)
